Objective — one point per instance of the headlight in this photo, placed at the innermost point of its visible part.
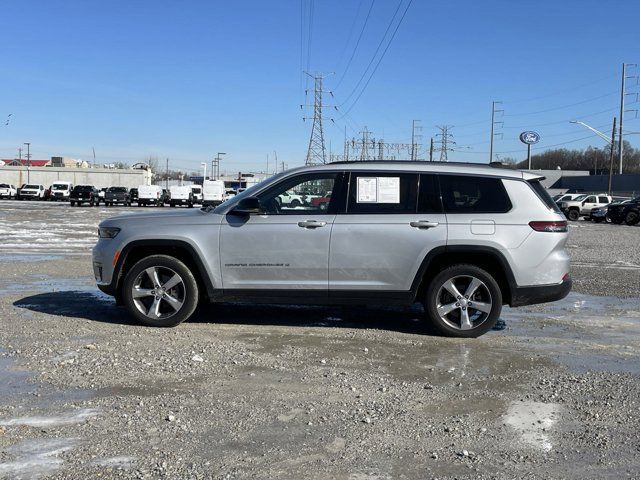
(108, 232)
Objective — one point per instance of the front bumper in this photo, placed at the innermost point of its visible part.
(521, 296)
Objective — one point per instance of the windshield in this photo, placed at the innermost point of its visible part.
(58, 186)
(252, 189)
(4, 185)
(197, 190)
(117, 190)
(33, 187)
(581, 197)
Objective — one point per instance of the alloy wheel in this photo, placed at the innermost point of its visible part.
(464, 302)
(158, 293)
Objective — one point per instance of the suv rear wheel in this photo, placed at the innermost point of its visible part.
(632, 218)
(463, 301)
(573, 215)
(160, 291)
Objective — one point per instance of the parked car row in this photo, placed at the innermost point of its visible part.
(599, 207)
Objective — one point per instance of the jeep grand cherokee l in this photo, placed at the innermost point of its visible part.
(461, 239)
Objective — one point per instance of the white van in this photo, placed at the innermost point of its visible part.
(197, 193)
(60, 191)
(181, 196)
(213, 192)
(150, 195)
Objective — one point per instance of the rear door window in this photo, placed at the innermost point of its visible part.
(471, 194)
(382, 192)
(603, 200)
(429, 194)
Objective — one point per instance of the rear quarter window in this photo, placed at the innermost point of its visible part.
(543, 195)
(471, 194)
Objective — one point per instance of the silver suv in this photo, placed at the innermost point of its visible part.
(462, 239)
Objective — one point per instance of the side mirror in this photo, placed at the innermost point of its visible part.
(247, 206)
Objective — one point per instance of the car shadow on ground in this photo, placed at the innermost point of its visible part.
(92, 306)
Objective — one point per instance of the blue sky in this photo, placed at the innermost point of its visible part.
(185, 80)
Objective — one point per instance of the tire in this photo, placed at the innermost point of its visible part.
(607, 218)
(139, 278)
(295, 203)
(573, 215)
(632, 217)
(462, 277)
(73, 204)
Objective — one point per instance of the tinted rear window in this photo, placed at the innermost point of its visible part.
(83, 188)
(544, 195)
(469, 194)
(118, 190)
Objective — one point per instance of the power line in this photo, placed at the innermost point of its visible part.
(561, 106)
(558, 92)
(374, 54)
(380, 59)
(366, 20)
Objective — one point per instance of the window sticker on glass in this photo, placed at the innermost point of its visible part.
(388, 189)
(367, 189)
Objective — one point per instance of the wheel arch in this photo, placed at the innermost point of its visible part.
(180, 249)
(487, 258)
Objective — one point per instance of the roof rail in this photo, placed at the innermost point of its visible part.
(423, 162)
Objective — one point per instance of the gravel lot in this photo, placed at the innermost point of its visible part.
(321, 393)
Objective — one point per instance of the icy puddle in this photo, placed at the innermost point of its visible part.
(585, 332)
(533, 422)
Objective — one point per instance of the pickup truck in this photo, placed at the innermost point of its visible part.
(8, 191)
(115, 195)
(582, 205)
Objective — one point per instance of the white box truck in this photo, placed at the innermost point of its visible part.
(150, 195)
(181, 196)
(213, 192)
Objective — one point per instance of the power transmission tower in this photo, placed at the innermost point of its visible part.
(623, 93)
(493, 124)
(415, 138)
(445, 139)
(316, 153)
(364, 154)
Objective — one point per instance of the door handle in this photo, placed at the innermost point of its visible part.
(424, 224)
(311, 224)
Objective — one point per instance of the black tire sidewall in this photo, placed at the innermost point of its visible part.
(573, 215)
(190, 283)
(430, 301)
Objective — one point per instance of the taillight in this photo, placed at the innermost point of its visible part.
(549, 226)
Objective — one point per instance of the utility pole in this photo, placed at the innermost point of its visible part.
(316, 153)
(622, 111)
(20, 153)
(381, 149)
(166, 175)
(28, 144)
(414, 139)
(613, 141)
(431, 151)
(493, 124)
(446, 139)
(275, 156)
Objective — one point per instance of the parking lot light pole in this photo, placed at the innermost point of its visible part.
(204, 172)
(610, 141)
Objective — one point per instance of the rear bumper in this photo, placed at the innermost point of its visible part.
(532, 295)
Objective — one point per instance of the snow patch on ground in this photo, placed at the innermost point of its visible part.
(533, 420)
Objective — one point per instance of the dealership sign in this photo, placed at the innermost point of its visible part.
(529, 137)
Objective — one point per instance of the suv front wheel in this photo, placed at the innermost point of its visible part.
(463, 301)
(160, 291)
